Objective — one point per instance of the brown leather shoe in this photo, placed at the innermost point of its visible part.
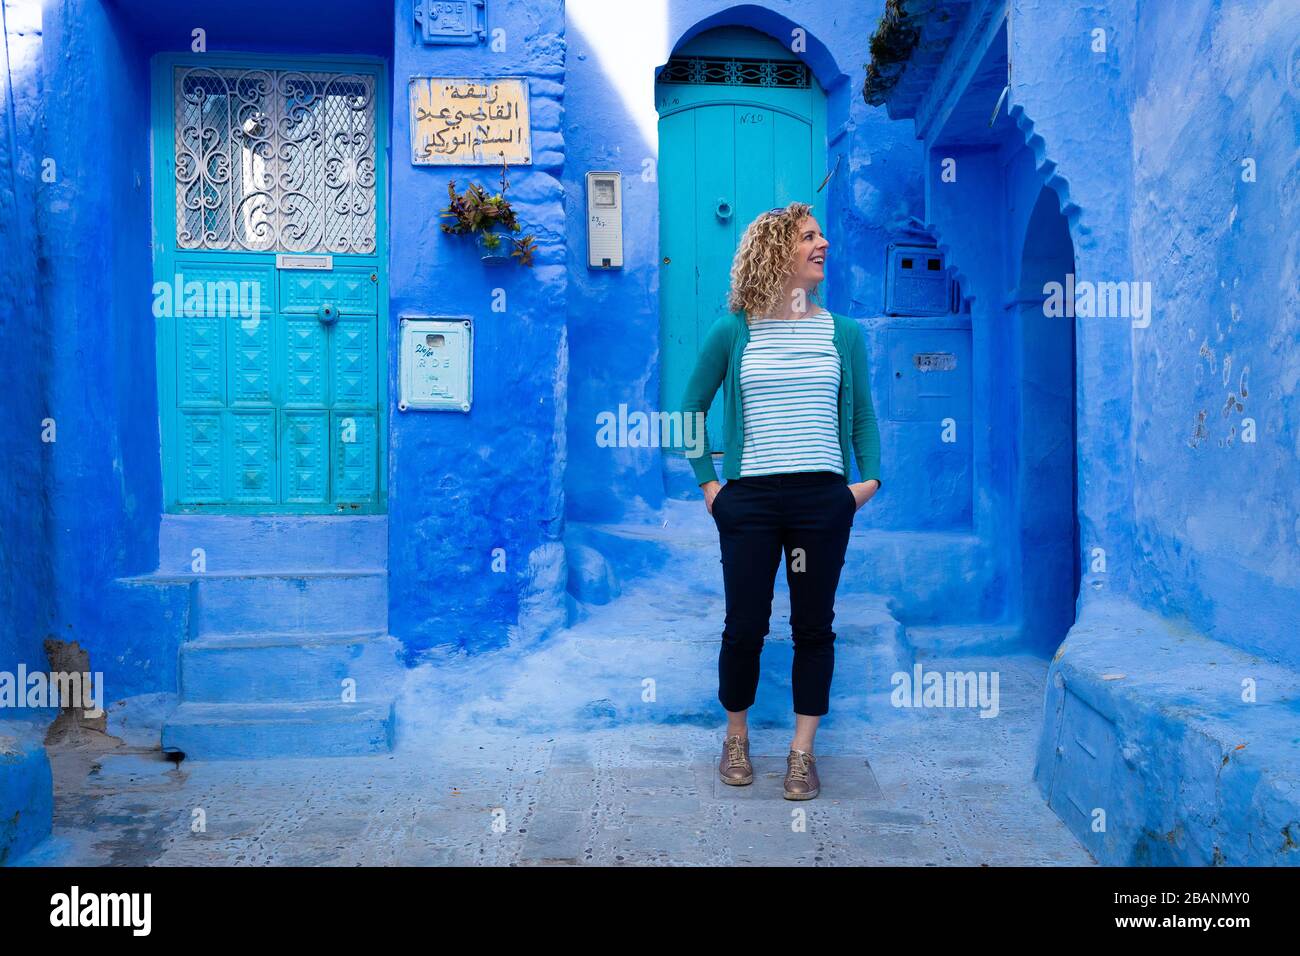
(801, 781)
(734, 768)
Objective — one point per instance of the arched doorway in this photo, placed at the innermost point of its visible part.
(742, 128)
(1047, 486)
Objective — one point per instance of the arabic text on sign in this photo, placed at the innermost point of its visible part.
(469, 122)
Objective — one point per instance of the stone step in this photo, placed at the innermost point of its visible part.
(301, 602)
(935, 577)
(270, 543)
(1187, 745)
(605, 558)
(225, 731)
(271, 667)
(622, 658)
(282, 611)
(955, 640)
(26, 789)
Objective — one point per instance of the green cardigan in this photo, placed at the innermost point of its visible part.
(719, 364)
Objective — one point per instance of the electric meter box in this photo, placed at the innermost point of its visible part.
(437, 370)
(604, 220)
(916, 281)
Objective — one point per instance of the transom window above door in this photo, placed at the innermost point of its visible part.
(274, 160)
(735, 71)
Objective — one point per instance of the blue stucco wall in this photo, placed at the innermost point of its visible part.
(101, 483)
(1197, 525)
(1105, 136)
(462, 486)
(24, 502)
(1080, 146)
(26, 789)
(1216, 529)
(1187, 538)
(1039, 139)
(104, 478)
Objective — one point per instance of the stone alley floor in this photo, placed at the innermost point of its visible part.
(598, 747)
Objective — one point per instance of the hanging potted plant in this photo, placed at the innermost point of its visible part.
(490, 219)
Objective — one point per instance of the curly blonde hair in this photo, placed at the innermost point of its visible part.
(765, 260)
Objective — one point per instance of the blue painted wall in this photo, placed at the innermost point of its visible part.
(1216, 527)
(1072, 146)
(83, 506)
(94, 221)
(24, 499)
(1197, 524)
(476, 500)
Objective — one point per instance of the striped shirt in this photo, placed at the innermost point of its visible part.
(789, 386)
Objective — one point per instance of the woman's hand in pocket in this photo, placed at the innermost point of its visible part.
(864, 490)
(710, 489)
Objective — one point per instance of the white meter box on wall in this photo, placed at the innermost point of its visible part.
(604, 220)
(437, 363)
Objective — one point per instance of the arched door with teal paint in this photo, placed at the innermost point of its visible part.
(742, 128)
(270, 283)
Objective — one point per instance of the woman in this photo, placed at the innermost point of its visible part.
(795, 399)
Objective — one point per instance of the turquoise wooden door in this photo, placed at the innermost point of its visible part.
(269, 283)
(737, 135)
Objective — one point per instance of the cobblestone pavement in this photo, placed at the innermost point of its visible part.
(594, 747)
(646, 795)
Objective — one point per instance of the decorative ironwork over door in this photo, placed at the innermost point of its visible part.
(268, 226)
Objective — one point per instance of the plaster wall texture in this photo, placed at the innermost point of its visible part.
(476, 501)
(1191, 188)
(25, 596)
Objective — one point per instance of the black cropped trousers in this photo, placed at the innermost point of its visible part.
(807, 517)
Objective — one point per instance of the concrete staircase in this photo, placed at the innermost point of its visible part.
(287, 651)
